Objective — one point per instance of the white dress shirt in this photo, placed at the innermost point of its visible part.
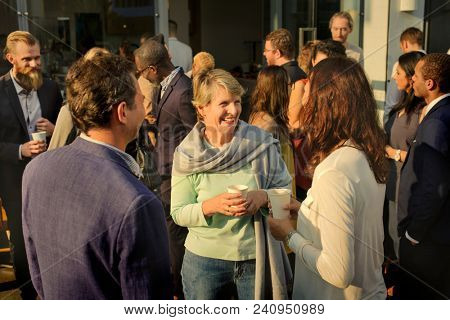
(355, 52)
(31, 108)
(339, 244)
(181, 54)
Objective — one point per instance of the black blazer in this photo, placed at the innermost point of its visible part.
(13, 132)
(294, 72)
(424, 195)
(175, 117)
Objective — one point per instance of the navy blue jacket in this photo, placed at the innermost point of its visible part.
(175, 117)
(92, 230)
(424, 195)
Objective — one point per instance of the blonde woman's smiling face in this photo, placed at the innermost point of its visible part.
(222, 113)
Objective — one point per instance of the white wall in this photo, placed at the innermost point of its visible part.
(375, 45)
(353, 7)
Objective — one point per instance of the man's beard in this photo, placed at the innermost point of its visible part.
(30, 80)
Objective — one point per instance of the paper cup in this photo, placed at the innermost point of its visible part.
(279, 199)
(39, 136)
(238, 188)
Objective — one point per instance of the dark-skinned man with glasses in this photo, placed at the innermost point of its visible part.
(174, 117)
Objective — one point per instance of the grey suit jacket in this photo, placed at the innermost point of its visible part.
(92, 230)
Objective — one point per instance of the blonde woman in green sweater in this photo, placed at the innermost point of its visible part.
(226, 231)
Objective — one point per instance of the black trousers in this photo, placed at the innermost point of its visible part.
(177, 237)
(13, 210)
(426, 273)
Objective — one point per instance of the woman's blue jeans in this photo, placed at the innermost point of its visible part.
(215, 279)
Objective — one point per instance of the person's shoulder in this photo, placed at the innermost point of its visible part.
(264, 121)
(348, 159)
(5, 78)
(354, 47)
(255, 133)
(440, 112)
(143, 199)
(294, 71)
(179, 43)
(183, 82)
(50, 160)
(49, 85)
(186, 47)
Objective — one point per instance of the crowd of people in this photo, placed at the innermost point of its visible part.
(135, 196)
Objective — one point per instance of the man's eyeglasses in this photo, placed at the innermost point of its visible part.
(139, 72)
(265, 50)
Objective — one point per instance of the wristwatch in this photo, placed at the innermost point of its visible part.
(397, 155)
(289, 236)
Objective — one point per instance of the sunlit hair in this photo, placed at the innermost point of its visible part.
(206, 83)
(412, 35)
(437, 68)
(203, 61)
(342, 14)
(330, 48)
(409, 101)
(96, 52)
(341, 106)
(95, 86)
(306, 55)
(271, 96)
(281, 39)
(19, 36)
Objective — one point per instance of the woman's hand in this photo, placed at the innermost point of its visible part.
(255, 200)
(229, 204)
(280, 228)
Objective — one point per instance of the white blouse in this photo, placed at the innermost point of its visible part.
(339, 245)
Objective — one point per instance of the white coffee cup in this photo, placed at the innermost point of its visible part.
(238, 188)
(279, 199)
(39, 136)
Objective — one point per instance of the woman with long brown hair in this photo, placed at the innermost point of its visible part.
(339, 237)
(270, 101)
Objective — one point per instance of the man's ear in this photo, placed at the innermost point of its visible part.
(278, 53)
(430, 84)
(121, 112)
(10, 57)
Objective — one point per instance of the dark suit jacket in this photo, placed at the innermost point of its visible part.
(92, 230)
(424, 195)
(175, 117)
(13, 132)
